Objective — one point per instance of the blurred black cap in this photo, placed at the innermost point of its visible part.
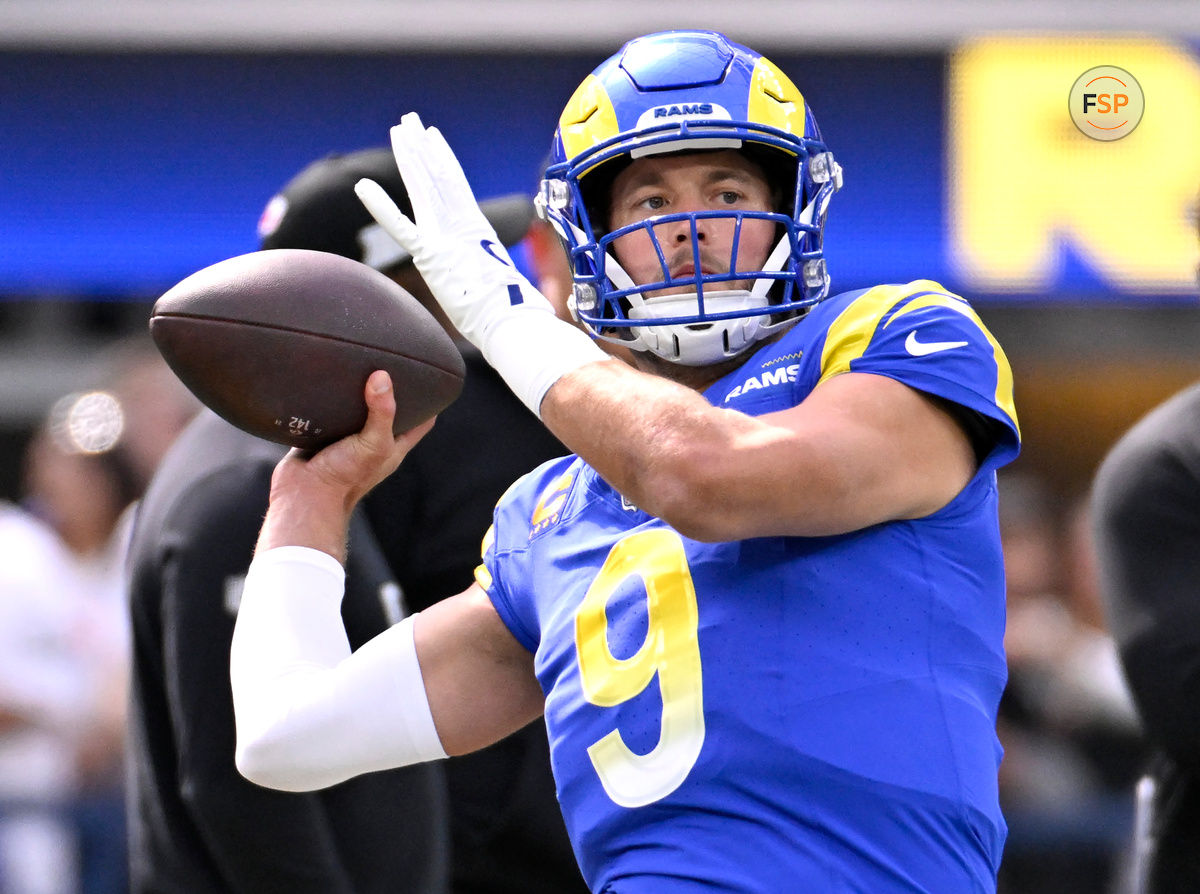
(318, 210)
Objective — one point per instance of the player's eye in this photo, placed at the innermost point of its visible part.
(652, 203)
(729, 197)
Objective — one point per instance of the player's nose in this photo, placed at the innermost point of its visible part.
(688, 228)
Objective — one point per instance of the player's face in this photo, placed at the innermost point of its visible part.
(670, 184)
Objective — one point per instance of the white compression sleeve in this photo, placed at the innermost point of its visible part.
(309, 712)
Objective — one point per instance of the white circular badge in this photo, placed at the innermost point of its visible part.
(1106, 103)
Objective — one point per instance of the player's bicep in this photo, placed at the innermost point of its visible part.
(935, 343)
(479, 679)
(869, 449)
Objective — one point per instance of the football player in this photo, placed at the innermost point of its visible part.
(762, 606)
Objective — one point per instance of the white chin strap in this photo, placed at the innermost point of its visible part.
(699, 344)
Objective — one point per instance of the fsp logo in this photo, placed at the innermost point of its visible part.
(1106, 103)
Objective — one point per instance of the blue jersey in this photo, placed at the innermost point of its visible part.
(780, 713)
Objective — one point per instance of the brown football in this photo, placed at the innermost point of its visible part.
(280, 343)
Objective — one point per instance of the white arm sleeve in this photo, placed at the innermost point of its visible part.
(310, 713)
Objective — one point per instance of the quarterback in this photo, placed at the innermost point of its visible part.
(761, 605)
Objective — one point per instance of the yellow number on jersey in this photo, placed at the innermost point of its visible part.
(671, 652)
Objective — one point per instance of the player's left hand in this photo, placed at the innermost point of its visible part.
(468, 270)
(453, 245)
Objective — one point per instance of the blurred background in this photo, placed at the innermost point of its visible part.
(140, 140)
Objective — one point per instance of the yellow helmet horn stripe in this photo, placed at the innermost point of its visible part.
(774, 100)
(588, 118)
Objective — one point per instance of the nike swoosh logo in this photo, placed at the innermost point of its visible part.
(490, 247)
(921, 348)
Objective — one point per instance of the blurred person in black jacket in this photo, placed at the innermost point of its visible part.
(195, 825)
(1147, 526)
(485, 824)
(507, 832)
(1146, 518)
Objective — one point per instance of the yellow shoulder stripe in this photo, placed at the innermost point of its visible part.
(851, 333)
(483, 577)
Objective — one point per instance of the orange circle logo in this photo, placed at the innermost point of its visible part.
(1106, 103)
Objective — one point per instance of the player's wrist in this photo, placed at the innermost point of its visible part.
(477, 291)
(532, 349)
(313, 516)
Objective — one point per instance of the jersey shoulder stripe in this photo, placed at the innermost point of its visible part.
(872, 314)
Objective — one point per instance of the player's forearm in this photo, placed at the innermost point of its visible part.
(860, 450)
(657, 442)
(313, 516)
(308, 712)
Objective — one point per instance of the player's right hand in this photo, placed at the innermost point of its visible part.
(358, 462)
(313, 494)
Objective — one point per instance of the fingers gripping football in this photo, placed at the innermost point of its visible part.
(358, 462)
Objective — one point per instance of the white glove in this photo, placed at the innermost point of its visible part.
(468, 269)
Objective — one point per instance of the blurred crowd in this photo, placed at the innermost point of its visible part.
(1073, 747)
(64, 630)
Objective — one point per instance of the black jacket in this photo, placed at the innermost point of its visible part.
(1147, 523)
(195, 825)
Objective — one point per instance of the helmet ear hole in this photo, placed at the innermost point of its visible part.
(780, 171)
(595, 188)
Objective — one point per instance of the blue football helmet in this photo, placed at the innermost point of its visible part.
(687, 91)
